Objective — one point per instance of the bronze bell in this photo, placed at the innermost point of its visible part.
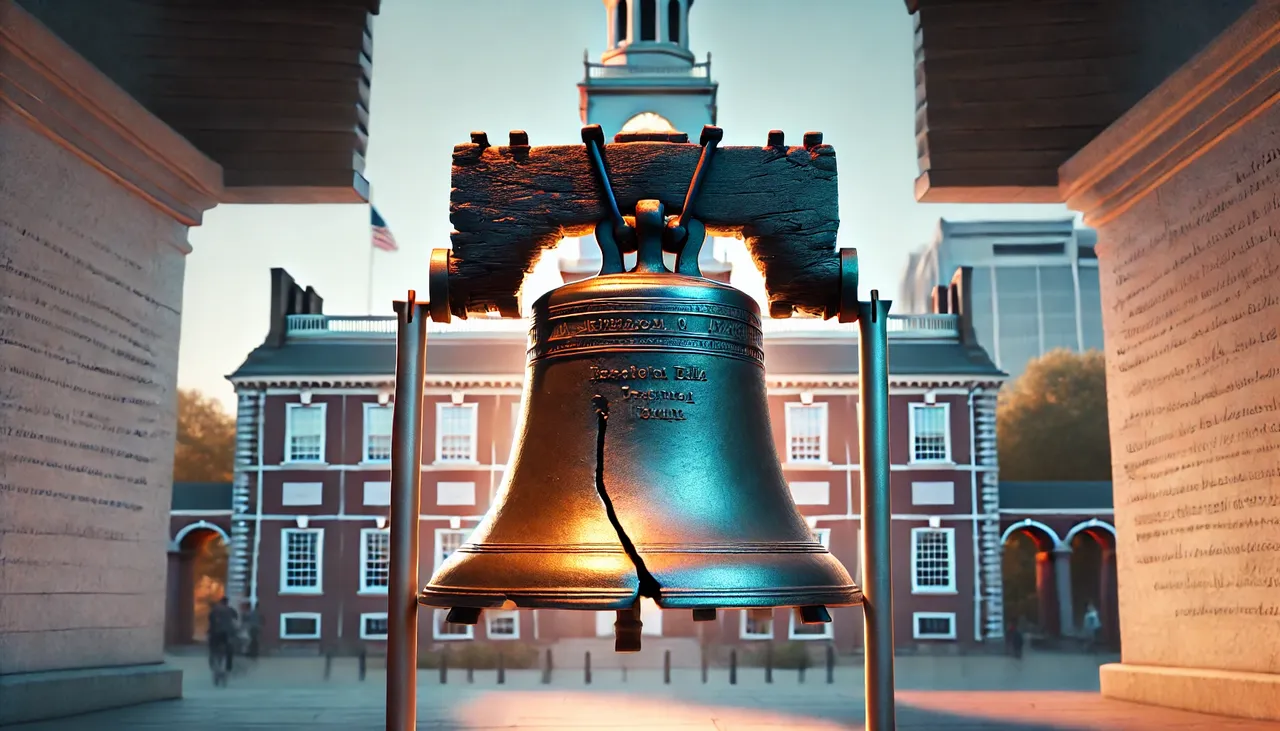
(644, 463)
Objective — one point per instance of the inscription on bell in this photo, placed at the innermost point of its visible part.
(646, 413)
(631, 394)
(690, 374)
(628, 373)
(732, 328)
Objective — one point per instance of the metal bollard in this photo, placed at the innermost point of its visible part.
(624, 672)
(733, 667)
(768, 663)
(546, 669)
(586, 669)
(831, 664)
(802, 674)
(502, 669)
(444, 667)
(471, 669)
(704, 665)
(666, 667)
(364, 663)
(328, 664)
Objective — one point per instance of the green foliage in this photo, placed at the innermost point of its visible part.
(481, 655)
(1052, 422)
(205, 448)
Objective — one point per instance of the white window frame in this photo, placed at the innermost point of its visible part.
(742, 628)
(301, 615)
(284, 562)
(950, 588)
(823, 433)
(441, 532)
(365, 433)
(288, 432)
(491, 615)
(915, 625)
(474, 408)
(946, 433)
(438, 617)
(365, 588)
(371, 615)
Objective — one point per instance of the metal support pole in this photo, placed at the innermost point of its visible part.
(877, 585)
(406, 477)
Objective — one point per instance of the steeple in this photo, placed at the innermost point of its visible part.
(648, 33)
(647, 79)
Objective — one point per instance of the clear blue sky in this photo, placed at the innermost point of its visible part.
(445, 67)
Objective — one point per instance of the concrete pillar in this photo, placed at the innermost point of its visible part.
(1047, 593)
(1062, 577)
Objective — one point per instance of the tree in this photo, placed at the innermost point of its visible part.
(206, 444)
(1051, 424)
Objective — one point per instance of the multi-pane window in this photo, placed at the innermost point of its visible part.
(930, 435)
(377, 433)
(456, 433)
(448, 540)
(799, 630)
(375, 560)
(757, 624)
(373, 626)
(503, 625)
(444, 630)
(304, 433)
(933, 568)
(301, 556)
(806, 433)
(300, 626)
(934, 625)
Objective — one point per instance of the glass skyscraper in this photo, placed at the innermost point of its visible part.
(1035, 284)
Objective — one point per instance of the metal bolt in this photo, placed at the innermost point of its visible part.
(777, 138)
(519, 138)
(812, 140)
(480, 138)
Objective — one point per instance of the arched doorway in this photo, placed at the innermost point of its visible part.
(1093, 577)
(1031, 553)
(197, 578)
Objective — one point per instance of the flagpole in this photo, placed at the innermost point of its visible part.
(369, 289)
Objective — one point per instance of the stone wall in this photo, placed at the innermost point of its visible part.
(96, 196)
(1185, 193)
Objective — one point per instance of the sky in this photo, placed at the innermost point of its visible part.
(442, 68)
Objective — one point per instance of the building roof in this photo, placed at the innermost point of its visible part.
(1055, 496)
(334, 346)
(201, 496)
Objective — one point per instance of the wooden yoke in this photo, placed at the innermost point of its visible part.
(510, 203)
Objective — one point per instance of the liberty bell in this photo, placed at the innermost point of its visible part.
(644, 463)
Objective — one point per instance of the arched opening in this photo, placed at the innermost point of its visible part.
(1093, 584)
(648, 20)
(648, 122)
(1030, 583)
(673, 21)
(620, 30)
(198, 576)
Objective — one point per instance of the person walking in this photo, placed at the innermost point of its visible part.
(1015, 639)
(1092, 626)
(222, 628)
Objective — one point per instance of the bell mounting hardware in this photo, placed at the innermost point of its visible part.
(644, 464)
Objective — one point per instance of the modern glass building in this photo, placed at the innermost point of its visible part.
(1035, 284)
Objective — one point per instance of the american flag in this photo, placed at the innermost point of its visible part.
(382, 237)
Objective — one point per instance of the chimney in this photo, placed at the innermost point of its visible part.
(941, 300)
(287, 298)
(961, 303)
(315, 303)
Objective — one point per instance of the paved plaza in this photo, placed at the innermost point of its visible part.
(1047, 692)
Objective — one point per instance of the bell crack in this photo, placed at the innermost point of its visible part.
(649, 586)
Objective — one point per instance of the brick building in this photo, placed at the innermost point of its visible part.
(308, 535)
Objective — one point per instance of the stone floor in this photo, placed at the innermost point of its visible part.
(1037, 693)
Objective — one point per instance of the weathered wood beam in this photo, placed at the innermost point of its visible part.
(509, 204)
